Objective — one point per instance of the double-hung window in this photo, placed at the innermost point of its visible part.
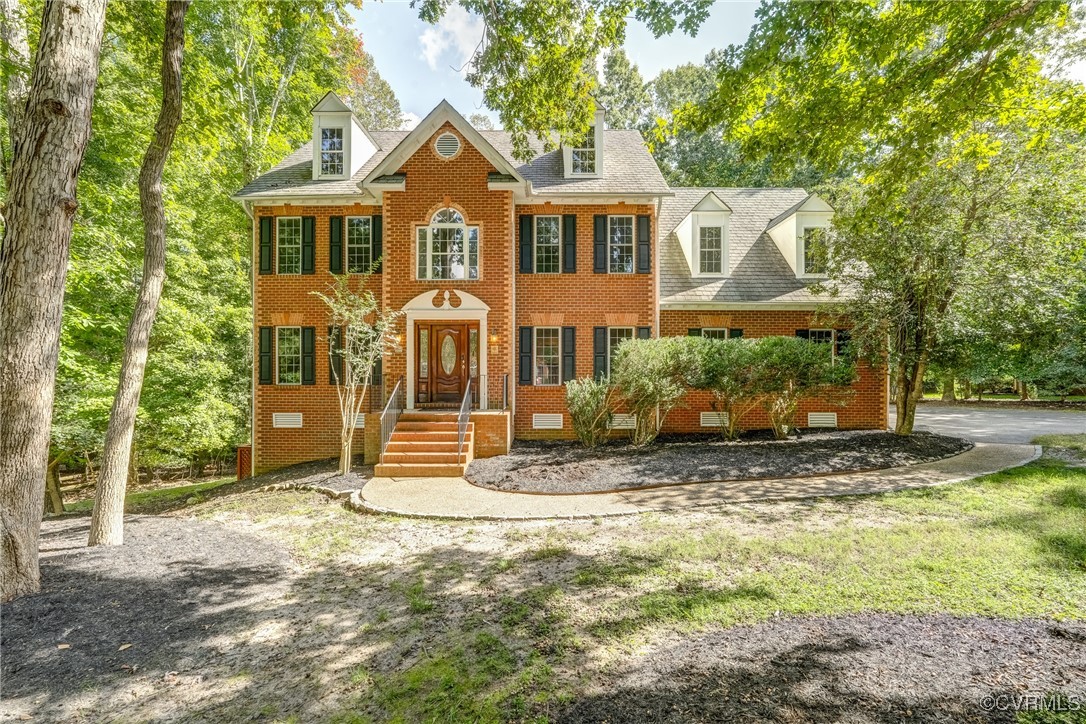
(615, 337)
(815, 251)
(447, 248)
(548, 244)
(715, 332)
(583, 154)
(288, 355)
(359, 244)
(620, 244)
(711, 249)
(289, 245)
(331, 152)
(548, 356)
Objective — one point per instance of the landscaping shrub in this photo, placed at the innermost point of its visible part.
(789, 368)
(652, 376)
(589, 402)
(729, 369)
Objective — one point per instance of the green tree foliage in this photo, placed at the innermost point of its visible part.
(536, 64)
(622, 92)
(729, 369)
(883, 86)
(788, 369)
(252, 72)
(590, 404)
(651, 376)
(369, 95)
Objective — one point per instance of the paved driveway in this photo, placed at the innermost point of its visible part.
(984, 424)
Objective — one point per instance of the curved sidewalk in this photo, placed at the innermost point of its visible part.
(458, 499)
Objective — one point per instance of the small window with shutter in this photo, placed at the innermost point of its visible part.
(288, 355)
(288, 240)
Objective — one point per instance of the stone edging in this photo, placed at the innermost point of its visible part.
(305, 487)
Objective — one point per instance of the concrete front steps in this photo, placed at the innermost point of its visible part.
(423, 445)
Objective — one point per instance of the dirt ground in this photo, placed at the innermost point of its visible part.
(569, 467)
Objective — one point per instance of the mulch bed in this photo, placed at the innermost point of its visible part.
(568, 467)
(860, 668)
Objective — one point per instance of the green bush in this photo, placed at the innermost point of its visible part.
(652, 376)
(589, 402)
(729, 369)
(789, 368)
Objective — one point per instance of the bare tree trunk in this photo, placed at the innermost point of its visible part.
(948, 388)
(15, 70)
(54, 499)
(107, 520)
(33, 266)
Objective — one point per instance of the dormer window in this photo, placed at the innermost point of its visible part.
(815, 252)
(331, 152)
(584, 154)
(711, 249)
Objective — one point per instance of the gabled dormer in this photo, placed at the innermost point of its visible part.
(584, 158)
(703, 237)
(800, 234)
(340, 143)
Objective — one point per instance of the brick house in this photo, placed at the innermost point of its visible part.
(512, 277)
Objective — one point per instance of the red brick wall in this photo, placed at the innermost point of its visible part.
(583, 300)
(866, 410)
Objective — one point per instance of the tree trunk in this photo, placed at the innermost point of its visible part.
(40, 209)
(345, 457)
(948, 388)
(54, 500)
(107, 520)
(14, 72)
(1023, 390)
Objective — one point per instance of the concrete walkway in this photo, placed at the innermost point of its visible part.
(457, 498)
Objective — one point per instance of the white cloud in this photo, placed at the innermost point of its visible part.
(453, 40)
(408, 121)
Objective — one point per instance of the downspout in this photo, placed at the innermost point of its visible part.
(247, 207)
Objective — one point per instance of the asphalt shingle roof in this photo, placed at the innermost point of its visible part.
(759, 273)
(628, 168)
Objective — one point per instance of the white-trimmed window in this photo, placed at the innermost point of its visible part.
(615, 337)
(548, 244)
(815, 251)
(288, 355)
(331, 152)
(711, 249)
(547, 365)
(359, 244)
(288, 238)
(583, 154)
(448, 248)
(620, 244)
(714, 332)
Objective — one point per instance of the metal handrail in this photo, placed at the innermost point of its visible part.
(505, 392)
(462, 422)
(391, 414)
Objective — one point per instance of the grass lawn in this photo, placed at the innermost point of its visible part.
(496, 621)
(158, 499)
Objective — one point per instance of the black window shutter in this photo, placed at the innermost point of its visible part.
(377, 228)
(309, 355)
(335, 365)
(309, 242)
(733, 333)
(335, 244)
(693, 332)
(569, 353)
(644, 332)
(599, 352)
(569, 244)
(527, 265)
(266, 355)
(803, 333)
(266, 244)
(644, 245)
(599, 244)
(841, 343)
(526, 355)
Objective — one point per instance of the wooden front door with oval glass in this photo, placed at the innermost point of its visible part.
(447, 356)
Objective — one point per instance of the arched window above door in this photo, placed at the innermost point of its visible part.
(447, 248)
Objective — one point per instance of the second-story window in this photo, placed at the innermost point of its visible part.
(289, 245)
(448, 248)
(359, 244)
(331, 152)
(816, 255)
(711, 249)
(548, 244)
(620, 244)
(584, 153)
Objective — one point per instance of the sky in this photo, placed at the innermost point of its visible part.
(424, 63)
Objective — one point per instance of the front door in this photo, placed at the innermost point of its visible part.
(442, 364)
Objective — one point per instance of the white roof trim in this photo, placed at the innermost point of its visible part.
(426, 128)
(330, 102)
(726, 306)
(425, 302)
(711, 196)
(812, 204)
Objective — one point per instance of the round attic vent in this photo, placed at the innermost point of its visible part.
(447, 145)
